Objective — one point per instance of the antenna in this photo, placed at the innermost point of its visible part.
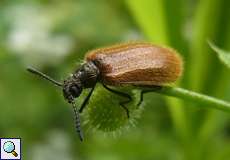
(77, 121)
(44, 76)
(76, 113)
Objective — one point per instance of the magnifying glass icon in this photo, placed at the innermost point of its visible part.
(9, 147)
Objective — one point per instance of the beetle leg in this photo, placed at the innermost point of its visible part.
(142, 96)
(154, 88)
(122, 103)
(86, 100)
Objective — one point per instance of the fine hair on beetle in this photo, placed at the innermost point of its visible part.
(138, 64)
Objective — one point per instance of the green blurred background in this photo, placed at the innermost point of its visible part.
(54, 35)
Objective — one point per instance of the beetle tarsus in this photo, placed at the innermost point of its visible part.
(125, 108)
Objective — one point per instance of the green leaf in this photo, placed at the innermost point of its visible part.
(224, 56)
(104, 112)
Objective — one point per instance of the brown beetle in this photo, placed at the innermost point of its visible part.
(138, 64)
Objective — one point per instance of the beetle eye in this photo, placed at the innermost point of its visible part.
(75, 91)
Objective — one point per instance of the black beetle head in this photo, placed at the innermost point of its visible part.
(71, 89)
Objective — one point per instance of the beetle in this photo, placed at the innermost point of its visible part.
(136, 64)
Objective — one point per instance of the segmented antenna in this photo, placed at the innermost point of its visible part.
(77, 121)
(44, 76)
(76, 113)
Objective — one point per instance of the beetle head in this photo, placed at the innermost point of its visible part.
(72, 88)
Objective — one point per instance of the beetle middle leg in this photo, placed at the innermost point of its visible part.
(122, 103)
(154, 88)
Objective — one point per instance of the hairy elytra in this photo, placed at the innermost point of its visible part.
(137, 64)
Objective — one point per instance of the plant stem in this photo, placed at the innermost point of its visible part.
(195, 97)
